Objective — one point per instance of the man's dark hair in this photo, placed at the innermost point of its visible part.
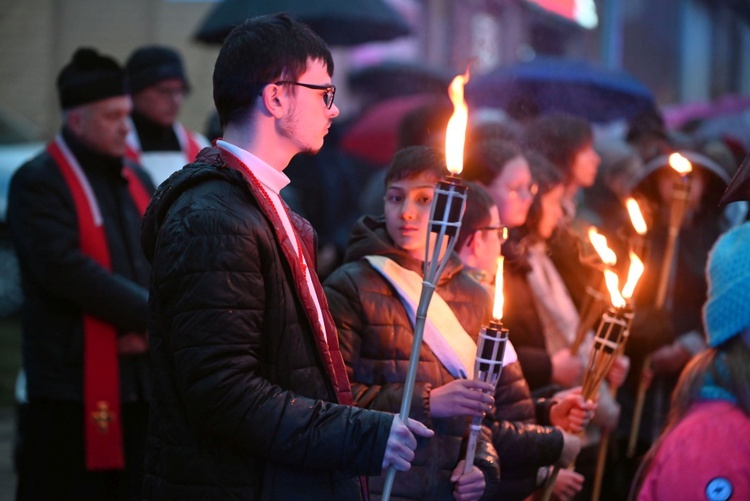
(413, 161)
(485, 160)
(260, 51)
(477, 213)
(559, 138)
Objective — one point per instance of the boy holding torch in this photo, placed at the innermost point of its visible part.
(373, 310)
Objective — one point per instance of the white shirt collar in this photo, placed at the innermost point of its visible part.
(267, 175)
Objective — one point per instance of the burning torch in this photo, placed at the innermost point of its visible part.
(489, 360)
(613, 330)
(680, 196)
(445, 222)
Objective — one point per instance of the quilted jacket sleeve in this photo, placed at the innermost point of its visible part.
(349, 315)
(522, 445)
(214, 267)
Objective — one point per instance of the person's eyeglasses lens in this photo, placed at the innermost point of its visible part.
(328, 96)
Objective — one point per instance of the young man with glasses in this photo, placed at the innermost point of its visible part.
(481, 236)
(252, 397)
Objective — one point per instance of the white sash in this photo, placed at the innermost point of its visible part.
(443, 333)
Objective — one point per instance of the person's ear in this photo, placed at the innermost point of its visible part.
(74, 120)
(273, 98)
(474, 241)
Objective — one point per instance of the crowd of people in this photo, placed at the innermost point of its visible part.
(184, 337)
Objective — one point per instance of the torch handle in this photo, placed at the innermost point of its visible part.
(549, 484)
(680, 196)
(638, 411)
(601, 457)
(471, 446)
(411, 376)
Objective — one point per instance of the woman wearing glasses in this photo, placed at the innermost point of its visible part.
(540, 312)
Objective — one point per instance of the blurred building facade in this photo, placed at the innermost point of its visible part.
(684, 50)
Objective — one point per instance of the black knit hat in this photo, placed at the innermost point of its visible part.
(89, 77)
(150, 65)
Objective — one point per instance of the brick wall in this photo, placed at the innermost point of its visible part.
(37, 37)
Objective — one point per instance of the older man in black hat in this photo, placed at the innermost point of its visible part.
(75, 214)
(157, 82)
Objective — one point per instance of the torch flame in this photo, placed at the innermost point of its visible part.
(680, 164)
(455, 134)
(600, 244)
(613, 284)
(636, 216)
(634, 274)
(609, 258)
(497, 308)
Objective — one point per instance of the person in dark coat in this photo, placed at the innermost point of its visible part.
(526, 432)
(672, 334)
(567, 142)
(158, 85)
(75, 214)
(367, 296)
(540, 313)
(502, 168)
(251, 397)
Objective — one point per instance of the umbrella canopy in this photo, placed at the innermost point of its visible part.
(739, 188)
(679, 115)
(374, 135)
(399, 78)
(554, 85)
(349, 22)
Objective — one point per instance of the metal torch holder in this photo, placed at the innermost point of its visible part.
(680, 197)
(446, 211)
(488, 365)
(609, 343)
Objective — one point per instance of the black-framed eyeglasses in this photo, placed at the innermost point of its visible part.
(502, 231)
(529, 191)
(328, 96)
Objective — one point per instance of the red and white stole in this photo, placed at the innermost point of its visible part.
(188, 144)
(327, 347)
(101, 372)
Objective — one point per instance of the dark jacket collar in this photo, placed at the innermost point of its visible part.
(88, 159)
(370, 237)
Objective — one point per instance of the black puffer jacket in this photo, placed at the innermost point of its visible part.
(366, 307)
(242, 405)
(519, 433)
(61, 284)
(376, 340)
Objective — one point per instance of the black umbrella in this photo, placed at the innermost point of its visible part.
(739, 188)
(555, 85)
(338, 22)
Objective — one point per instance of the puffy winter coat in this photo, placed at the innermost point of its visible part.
(243, 400)
(61, 283)
(376, 340)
